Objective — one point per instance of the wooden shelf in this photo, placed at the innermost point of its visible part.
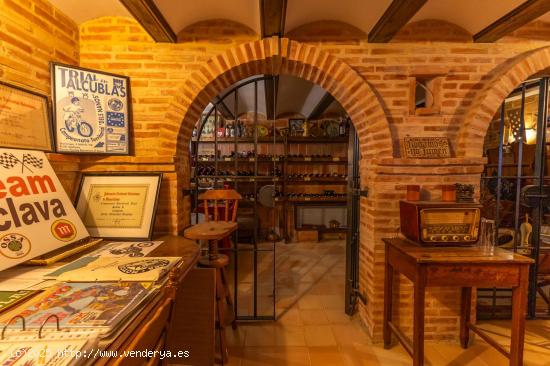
(327, 161)
(240, 140)
(316, 181)
(241, 160)
(317, 140)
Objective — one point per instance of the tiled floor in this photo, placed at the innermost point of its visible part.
(312, 328)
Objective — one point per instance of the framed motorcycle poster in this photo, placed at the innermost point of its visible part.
(91, 111)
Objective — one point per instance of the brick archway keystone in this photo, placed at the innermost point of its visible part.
(278, 56)
(502, 81)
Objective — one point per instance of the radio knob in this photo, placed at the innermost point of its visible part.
(467, 237)
(444, 238)
(455, 238)
(433, 238)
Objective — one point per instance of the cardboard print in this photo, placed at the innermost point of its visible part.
(36, 215)
(92, 114)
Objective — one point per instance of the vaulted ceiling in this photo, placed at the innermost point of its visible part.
(472, 15)
(381, 20)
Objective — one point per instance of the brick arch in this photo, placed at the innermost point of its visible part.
(278, 56)
(502, 81)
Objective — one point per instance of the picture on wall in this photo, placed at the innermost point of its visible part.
(92, 113)
(25, 121)
(119, 206)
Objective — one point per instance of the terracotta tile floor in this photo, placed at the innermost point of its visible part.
(312, 328)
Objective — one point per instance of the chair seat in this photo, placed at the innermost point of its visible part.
(212, 230)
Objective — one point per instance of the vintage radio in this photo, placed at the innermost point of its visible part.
(440, 223)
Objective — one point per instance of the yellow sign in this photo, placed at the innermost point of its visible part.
(116, 206)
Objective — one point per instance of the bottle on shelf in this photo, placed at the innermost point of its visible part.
(342, 127)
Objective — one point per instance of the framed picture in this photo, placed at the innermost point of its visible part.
(296, 126)
(91, 111)
(119, 206)
(25, 120)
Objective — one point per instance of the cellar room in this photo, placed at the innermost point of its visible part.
(275, 182)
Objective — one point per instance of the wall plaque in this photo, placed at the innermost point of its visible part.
(91, 111)
(24, 119)
(426, 147)
(119, 205)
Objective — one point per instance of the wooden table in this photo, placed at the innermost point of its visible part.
(464, 267)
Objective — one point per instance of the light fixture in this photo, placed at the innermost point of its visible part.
(530, 136)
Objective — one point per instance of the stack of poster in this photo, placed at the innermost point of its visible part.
(92, 269)
(36, 215)
(99, 307)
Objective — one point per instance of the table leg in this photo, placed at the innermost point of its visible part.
(519, 307)
(418, 318)
(388, 298)
(465, 311)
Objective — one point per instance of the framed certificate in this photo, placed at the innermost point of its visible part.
(25, 120)
(119, 206)
(91, 111)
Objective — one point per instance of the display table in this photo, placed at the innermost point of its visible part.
(464, 267)
(179, 317)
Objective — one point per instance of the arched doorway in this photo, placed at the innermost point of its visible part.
(274, 56)
(507, 124)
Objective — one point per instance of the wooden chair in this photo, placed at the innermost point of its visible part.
(222, 204)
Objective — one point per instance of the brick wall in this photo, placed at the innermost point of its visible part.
(33, 33)
(171, 83)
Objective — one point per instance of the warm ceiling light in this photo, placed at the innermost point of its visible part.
(530, 136)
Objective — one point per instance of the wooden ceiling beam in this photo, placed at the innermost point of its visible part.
(325, 101)
(394, 18)
(151, 19)
(523, 14)
(271, 86)
(272, 17)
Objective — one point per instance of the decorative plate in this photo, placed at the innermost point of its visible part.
(262, 131)
(332, 129)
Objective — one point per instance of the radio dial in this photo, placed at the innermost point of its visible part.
(467, 237)
(444, 238)
(455, 238)
(433, 238)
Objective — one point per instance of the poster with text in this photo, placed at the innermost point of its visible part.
(91, 111)
(121, 206)
(36, 215)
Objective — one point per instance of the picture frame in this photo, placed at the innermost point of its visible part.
(92, 112)
(296, 126)
(25, 119)
(119, 206)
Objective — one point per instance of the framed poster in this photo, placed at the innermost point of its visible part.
(25, 120)
(36, 215)
(119, 206)
(296, 126)
(91, 111)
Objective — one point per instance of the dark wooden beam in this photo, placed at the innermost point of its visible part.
(394, 18)
(272, 17)
(271, 87)
(223, 108)
(523, 14)
(321, 106)
(151, 19)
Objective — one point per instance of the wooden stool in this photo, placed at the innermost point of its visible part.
(213, 232)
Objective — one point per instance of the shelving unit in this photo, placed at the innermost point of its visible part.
(288, 161)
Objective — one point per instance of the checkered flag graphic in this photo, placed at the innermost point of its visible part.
(32, 160)
(8, 161)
